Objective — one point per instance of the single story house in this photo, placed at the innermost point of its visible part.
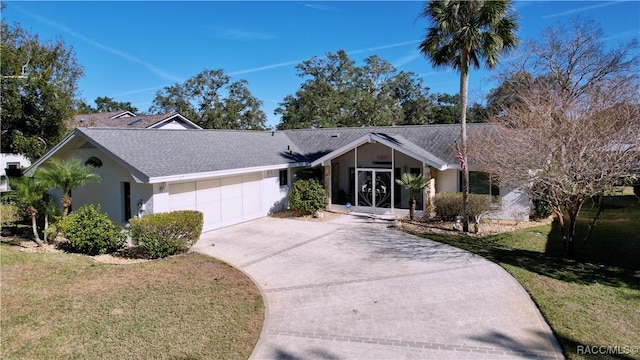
(236, 176)
(127, 120)
(11, 165)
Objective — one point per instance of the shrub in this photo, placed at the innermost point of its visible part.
(449, 205)
(307, 196)
(9, 214)
(90, 232)
(541, 209)
(167, 234)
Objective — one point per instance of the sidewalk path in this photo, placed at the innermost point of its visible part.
(353, 288)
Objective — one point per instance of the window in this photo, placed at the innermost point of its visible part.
(482, 183)
(284, 177)
(94, 161)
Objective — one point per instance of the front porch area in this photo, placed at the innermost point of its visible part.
(362, 177)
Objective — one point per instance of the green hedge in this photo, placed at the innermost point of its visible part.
(307, 196)
(167, 234)
(90, 232)
(449, 205)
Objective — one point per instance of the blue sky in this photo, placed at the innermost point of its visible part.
(130, 50)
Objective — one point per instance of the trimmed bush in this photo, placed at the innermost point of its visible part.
(449, 205)
(307, 196)
(167, 234)
(90, 232)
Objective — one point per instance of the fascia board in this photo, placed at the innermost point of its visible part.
(342, 150)
(137, 175)
(32, 168)
(438, 165)
(222, 173)
(196, 127)
(373, 137)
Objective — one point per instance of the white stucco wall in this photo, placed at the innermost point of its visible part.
(447, 181)
(108, 193)
(275, 197)
(515, 205)
(173, 125)
(5, 160)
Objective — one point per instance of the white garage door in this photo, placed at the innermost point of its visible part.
(223, 202)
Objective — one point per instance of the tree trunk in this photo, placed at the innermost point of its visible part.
(412, 208)
(66, 204)
(464, 82)
(34, 227)
(46, 226)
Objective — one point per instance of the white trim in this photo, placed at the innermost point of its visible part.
(222, 173)
(189, 122)
(371, 137)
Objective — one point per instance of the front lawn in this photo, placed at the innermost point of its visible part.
(591, 302)
(190, 306)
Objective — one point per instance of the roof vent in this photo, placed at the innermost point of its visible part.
(335, 135)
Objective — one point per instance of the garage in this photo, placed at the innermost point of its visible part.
(223, 201)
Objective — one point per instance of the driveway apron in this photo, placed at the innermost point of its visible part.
(354, 288)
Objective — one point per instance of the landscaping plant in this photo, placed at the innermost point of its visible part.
(307, 196)
(166, 234)
(90, 232)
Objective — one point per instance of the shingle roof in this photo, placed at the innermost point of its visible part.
(161, 153)
(157, 153)
(114, 119)
(437, 140)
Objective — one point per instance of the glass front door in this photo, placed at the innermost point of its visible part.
(374, 188)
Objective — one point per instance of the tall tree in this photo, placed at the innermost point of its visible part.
(337, 93)
(39, 87)
(212, 101)
(466, 33)
(66, 175)
(575, 127)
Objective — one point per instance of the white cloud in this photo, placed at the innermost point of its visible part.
(581, 9)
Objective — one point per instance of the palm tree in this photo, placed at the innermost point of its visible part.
(462, 33)
(413, 183)
(66, 175)
(28, 193)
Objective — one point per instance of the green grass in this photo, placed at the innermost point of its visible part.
(594, 301)
(68, 306)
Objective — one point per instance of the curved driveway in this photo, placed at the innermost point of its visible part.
(353, 288)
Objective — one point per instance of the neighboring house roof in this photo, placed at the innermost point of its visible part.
(155, 156)
(127, 120)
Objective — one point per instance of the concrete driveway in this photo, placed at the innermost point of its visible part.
(353, 288)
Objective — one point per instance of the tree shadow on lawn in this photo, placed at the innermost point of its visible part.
(615, 240)
(544, 264)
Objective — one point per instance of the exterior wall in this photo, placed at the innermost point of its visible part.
(223, 201)
(109, 192)
(447, 181)
(5, 161)
(275, 197)
(174, 125)
(515, 205)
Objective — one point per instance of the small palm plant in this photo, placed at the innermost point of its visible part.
(415, 184)
(28, 193)
(66, 175)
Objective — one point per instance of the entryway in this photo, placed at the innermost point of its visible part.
(374, 192)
